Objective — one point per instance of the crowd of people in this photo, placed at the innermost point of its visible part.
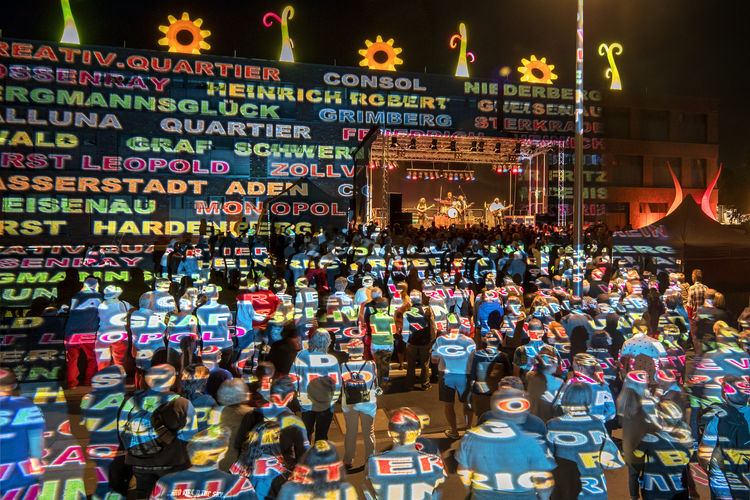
(561, 364)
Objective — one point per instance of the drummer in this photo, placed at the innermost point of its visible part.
(447, 203)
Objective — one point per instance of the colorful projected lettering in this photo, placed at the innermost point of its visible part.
(70, 33)
(180, 28)
(286, 42)
(611, 73)
(380, 55)
(464, 57)
(537, 71)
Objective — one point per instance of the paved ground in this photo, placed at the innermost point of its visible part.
(427, 400)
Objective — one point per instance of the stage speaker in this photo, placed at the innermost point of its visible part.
(395, 203)
(403, 219)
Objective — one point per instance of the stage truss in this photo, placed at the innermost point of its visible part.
(390, 151)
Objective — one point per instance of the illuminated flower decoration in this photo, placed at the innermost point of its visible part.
(537, 71)
(380, 55)
(193, 29)
(286, 43)
(70, 33)
(612, 50)
(462, 69)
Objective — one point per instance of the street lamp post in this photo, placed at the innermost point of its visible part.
(578, 169)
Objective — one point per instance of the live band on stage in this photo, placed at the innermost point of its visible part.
(456, 210)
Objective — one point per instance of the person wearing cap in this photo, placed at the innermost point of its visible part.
(358, 377)
(319, 475)
(725, 445)
(454, 353)
(362, 294)
(405, 472)
(318, 378)
(153, 452)
(666, 456)
(80, 331)
(497, 459)
(204, 479)
(575, 440)
(111, 338)
(21, 439)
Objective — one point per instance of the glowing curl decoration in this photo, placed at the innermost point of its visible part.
(380, 54)
(537, 71)
(192, 28)
(464, 57)
(612, 50)
(70, 33)
(286, 43)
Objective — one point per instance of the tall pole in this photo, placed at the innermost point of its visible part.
(578, 171)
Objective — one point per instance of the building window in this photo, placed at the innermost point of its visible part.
(627, 170)
(662, 177)
(696, 177)
(693, 127)
(617, 123)
(654, 125)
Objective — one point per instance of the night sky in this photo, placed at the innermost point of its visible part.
(671, 47)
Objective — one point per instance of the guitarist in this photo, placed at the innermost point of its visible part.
(495, 216)
(422, 209)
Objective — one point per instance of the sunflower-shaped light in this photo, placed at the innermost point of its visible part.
(537, 71)
(380, 55)
(191, 28)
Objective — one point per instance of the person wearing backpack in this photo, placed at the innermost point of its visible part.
(154, 426)
(724, 447)
(358, 400)
(318, 378)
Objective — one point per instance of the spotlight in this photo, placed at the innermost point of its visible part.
(433, 145)
(473, 146)
(481, 146)
(408, 176)
(413, 143)
(498, 146)
(391, 166)
(372, 165)
(452, 146)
